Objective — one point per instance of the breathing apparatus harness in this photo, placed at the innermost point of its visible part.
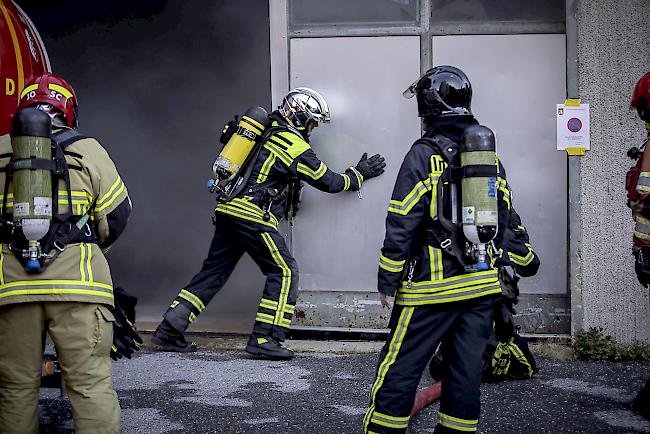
(268, 194)
(65, 228)
(440, 231)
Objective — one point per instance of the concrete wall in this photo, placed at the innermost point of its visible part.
(613, 52)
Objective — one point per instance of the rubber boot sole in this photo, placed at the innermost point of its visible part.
(167, 347)
(257, 351)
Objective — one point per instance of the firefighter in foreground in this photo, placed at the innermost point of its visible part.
(63, 203)
(638, 194)
(438, 269)
(506, 355)
(252, 198)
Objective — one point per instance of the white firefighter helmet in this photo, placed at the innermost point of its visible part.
(303, 104)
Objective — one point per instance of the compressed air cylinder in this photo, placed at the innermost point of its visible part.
(32, 188)
(479, 188)
(240, 145)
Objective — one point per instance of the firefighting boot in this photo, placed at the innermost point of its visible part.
(170, 339)
(268, 347)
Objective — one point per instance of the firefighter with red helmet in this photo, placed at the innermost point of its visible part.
(637, 184)
(65, 290)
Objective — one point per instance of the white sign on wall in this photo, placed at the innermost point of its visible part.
(573, 127)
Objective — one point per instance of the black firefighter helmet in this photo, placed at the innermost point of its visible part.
(442, 91)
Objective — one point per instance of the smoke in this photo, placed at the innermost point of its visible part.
(156, 81)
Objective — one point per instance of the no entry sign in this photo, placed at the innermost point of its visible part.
(573, 126)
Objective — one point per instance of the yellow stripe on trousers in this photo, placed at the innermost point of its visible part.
(286, 278)
(391, 356)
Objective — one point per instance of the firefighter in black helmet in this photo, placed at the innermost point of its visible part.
(426, 263)
(248, 223)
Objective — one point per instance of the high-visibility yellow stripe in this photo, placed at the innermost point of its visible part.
(193, 299)
(82, 260)
(404, 206)
(467, 425)
(266, 168)
(105, 201)
(279, 152)
(313, 174)
(358, 175)
(222, 208)
(262, 317)
(390, 421)
(346, 182)
(286, 275)
(393, 350)
(448, 296)
(62, 90)
(2, 261)
(522, 260)
(391, 265)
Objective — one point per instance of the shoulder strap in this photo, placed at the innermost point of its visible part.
(241, 180)
(447, 148)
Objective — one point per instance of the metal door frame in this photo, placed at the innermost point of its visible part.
(281, 35)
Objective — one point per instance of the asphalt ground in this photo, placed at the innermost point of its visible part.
(220, 391)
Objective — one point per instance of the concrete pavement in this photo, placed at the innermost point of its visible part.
(325, 390)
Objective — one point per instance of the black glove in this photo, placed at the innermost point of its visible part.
(642, 265)
(126, 339)
(371, 167)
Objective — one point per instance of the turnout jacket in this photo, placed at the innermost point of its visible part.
(638, 197)
(285, 157)
(81, 272)
(435, 276)
(514, 248)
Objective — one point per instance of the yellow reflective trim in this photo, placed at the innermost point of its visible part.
(393, 350)
(262, 317)
(53, 291)
(196, 301)
(280, 153)
(388, 423)
(346, 182)
(460, 279)
(522, 260)
(392, 261)
(266, 168)
(313, 174)
(82, 261)
(298, 145)
(358, 175)
(426, 299)
(286, 275)
(2, 274)
(393, 418)
(28, 89)
(111, 196)
(390, 269)
(243, 215)
(62, 90)
(404, 206)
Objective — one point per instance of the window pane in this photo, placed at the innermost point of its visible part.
(319, 12)
(497, 10)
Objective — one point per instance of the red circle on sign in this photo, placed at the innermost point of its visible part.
(574, 125)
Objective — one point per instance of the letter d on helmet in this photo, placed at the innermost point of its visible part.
(303, 104)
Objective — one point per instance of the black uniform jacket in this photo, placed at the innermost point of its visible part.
(514, 248)
(410, 267)
(285, 158)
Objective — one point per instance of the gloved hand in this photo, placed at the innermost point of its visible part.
(126, 339)
(642, 265)
(371, 167)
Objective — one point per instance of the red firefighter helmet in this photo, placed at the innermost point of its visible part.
(51, 89)
(641, 97)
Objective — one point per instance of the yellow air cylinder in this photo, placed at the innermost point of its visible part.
(234, 154)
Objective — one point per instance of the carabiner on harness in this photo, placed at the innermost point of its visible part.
(409, 281)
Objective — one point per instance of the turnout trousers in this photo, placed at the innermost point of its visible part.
(232, 237)
(463, 327)
(83, 335)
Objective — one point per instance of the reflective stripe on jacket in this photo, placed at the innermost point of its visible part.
(436, 276)
(81, 272)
